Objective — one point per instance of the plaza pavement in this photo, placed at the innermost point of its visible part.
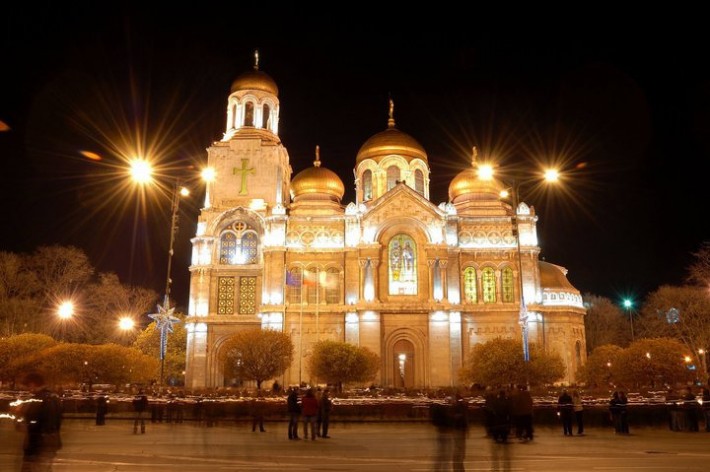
(364, 447)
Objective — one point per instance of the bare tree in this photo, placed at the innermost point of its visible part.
(699, 270)
(605, 323)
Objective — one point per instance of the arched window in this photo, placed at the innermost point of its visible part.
(234, 115)
(419, 181)
(238, 245)
(331, 282)
(469, 285)
(507, 282)
(402, 258)
(488, 281)
(266, 116)
(294, 284)
(249, 114)
(578, 352)
(310, 282)
(392, 176)
(367, 185)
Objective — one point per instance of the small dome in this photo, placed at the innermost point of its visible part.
(391, 141)
(316, 183)
(255, 80)
(468, 183)
(554, 277)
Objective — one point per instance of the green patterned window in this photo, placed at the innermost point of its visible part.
(225, 295)
(507, 282)
(488, 279)
(469, 285)
(247, 295)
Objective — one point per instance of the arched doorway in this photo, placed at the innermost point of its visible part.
(403, 364)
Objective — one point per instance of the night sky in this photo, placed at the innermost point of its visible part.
(624, 111)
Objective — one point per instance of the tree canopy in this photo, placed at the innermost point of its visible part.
(257, 354)
(337, 362)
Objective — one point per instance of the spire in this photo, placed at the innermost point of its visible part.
(474, 157)
(256, 59)
(316, 163)
(390, 122)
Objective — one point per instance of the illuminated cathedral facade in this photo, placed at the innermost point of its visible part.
(419, 284)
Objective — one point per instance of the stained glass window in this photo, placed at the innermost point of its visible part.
(293, 283)
(507, 283)
(402, 265)
(392, 176)
(331, 282)
(488, 281)
(239, 245)
(367, 185)
(249, 114)
(419, 181)
(469, 285)
(227, 248)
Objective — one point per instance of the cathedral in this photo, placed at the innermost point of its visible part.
(417, 283)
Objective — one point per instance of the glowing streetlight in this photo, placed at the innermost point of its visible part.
(65, 310)
(126, 323)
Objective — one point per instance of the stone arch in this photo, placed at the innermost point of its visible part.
(411, 343)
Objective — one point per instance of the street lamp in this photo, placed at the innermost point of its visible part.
(628, 305)
(485, 172)
(141, 172)
(65, 312)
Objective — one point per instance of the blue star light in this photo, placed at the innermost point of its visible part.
(164, 321)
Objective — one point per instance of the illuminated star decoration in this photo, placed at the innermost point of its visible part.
(164, 321)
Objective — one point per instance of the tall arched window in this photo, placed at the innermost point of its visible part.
(367, 185)
(310, 282)
(507, 285)
(234, 115)
(392, 176)
(419, 181)
(294, 284)
(238, 245)
(402, 251)
(266, 116)
(249, 114)
(331, 282)
(469, 285)
(488, 281)
(578, 352)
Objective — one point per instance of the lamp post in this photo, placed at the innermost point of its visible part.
(141, 172)
(629, 305)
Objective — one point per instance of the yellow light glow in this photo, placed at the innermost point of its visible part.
(126, 323)
(687, 358)
(184, 191)
(552, 175)
(141, 171)
(485, 172)
(504, 194)
(208, 174)
(66, 310)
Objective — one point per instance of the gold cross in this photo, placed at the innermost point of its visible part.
(244, 172)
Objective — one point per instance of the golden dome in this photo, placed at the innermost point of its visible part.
(468, 183)
(554, 277)
(315, 183)
(255, 80)
(391, 141)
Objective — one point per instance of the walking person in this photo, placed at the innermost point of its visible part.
(257, 413)
(325, 405)
(565, 409)
(42, 416)
(309, 409)
(294, 413)
(140, 404)
(521, 412)
(623, 413)
(578, 411)
(101, 410)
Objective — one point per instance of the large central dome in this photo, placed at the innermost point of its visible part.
(391, 141)
(255, 80)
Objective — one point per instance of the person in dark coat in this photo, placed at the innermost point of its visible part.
(101, 410)
(309, 409)
(325, 405)
(565, 409)
(498, 416)
(257, 413)
(42, 417)
(521, 409)
(294, 413)
(140, 405)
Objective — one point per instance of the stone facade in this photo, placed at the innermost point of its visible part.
(417, 283)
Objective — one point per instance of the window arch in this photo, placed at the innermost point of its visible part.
(266, 116)
(367, 185)
(508, 285)
(419, 181)
(392, 176)
(239, 245)
(488, 281)
(294, 284)
(402, 261)
(234, 115)
(469, 285)
(331, 283)
(248, 114)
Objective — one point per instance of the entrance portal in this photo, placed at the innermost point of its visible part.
(403, 375)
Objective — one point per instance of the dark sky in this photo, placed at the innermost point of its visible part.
(623, 107)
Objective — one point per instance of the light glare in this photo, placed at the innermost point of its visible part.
(141, 171)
